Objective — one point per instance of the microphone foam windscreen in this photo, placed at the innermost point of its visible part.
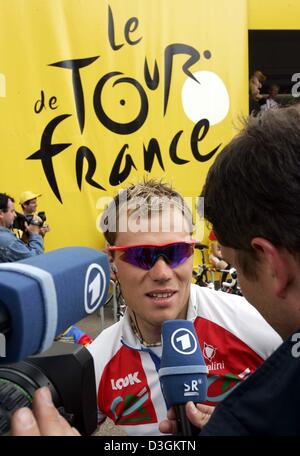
(183, 373)
(47, 293)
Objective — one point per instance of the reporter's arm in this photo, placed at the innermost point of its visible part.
(45, 420)
(198, 415)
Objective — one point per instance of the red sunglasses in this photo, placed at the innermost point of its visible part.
(145, 256)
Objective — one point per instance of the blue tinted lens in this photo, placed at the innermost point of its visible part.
(145, 257)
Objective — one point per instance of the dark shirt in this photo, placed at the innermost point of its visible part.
(267, 403)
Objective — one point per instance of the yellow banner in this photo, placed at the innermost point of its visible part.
(273, 15)
(96, 94)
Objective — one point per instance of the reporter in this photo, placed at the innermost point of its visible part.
(44, 420)
(259, 231)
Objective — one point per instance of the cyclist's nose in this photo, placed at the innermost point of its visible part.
(160, 271)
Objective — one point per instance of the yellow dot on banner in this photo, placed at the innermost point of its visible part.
(206, 99)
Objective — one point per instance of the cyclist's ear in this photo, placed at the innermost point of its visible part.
(113, 268)
(109, 253)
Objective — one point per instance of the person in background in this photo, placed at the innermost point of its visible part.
(255, 96)
(11, 247)
(270, 102)
(215, 254)
(255, 84)
(28, 202)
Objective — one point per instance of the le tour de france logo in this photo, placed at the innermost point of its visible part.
(183, 341)
(94, 288)
(204, 100)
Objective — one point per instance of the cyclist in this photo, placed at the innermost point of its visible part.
(148, 229)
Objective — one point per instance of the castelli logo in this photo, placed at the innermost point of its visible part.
(209, 351)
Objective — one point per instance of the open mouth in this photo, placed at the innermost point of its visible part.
(161, 295)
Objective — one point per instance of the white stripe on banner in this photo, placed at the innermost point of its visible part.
(48, 290)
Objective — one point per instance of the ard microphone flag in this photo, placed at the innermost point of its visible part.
(45, 294)
(182, 373)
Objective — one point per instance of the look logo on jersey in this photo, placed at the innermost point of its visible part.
(129, 399)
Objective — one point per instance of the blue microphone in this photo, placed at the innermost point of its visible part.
(182, 373)
(43, 295)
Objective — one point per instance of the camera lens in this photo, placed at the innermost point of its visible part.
(11, 398)
(67, 370)
(17, 385)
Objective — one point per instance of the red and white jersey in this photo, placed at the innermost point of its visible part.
(234, 338)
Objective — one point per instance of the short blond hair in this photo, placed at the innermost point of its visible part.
(152, 194)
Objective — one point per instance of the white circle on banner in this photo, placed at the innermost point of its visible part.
(206, 99)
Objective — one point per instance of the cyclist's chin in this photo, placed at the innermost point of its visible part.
(162, 312)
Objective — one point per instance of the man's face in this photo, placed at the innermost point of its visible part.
(30, 206)
(273, 92)
(257, 291)
(7, 218)
(161, 293)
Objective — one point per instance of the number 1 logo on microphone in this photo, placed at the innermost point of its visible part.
(183, 341)
(94, 289)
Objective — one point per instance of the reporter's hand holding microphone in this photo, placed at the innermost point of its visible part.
(183, 377)
(197, 414)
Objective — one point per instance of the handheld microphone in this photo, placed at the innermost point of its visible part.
(183, 373)
(43, 295)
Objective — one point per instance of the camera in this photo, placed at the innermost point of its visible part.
(19, 222)
(67, 370)
(36, 305)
